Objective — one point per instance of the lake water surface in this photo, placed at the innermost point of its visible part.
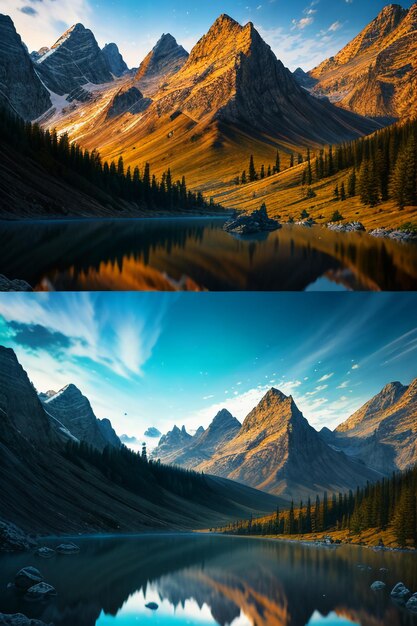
(196, 254)
(213, 580)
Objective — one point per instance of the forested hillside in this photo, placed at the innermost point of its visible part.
(389, 503)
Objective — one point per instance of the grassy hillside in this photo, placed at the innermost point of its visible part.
(285, 198)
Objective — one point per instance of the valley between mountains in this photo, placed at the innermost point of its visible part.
(203, 114)
(63, 470)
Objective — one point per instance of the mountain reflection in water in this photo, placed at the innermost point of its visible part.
(196, 254)
(211, 580)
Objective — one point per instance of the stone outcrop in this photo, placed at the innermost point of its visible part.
(127, 100)
(108, 432)
(20, 88)
(256, 222)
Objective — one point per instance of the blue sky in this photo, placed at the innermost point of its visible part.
(154, 359)
(300, 32)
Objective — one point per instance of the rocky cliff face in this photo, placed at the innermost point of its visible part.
(72, 62)
(74, 412)
(108, 432)
(376, 73)
(383, 433)
(164, 60)
(18, 400)
(20, 87)
(171, 443)
(191, 451)
(115, 61)
(276, 450)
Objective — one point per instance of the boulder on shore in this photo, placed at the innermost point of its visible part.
(378, 585)
(256, 222)
(400, 593)
(45, 553)
(13, 539)
(397, 235)
(351, 227)
(40, 591)
(412, 603)
(67, 548)
(27, 577)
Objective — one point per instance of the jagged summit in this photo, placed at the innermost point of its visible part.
(74, 60)
(165, 59)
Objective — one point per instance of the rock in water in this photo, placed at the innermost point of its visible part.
(400, 593)
(151, 605)
(13, 539)
(67, 548)
(378, 585)
(20, 88)
(115, 60)
(45, 553)
(27, 577)
(256, 222)
(412, 603)
(40, 591)
(18, 619)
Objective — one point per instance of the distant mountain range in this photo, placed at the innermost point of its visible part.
(276, 450)
(45, 486)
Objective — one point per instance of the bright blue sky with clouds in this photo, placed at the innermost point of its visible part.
(166, 358)
(300, 32)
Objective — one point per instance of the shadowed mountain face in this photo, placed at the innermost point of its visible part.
(376, 73)
(20, 87)
(66, 493)
(383, 433)
(115, 60)
(73, 61)
(73, 411)
(179, 448)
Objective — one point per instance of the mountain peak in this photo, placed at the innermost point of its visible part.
(224, 20)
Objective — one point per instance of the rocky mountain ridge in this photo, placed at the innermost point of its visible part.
(376, 73)
(180, 448)
(383, 433)
(74, 419)
(115, 61)
(74, 61)
(276, 449)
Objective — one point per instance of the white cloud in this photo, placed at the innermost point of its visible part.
(325, 377)
(303, 22)
(47, 20)
(343, 385)
(335, 26)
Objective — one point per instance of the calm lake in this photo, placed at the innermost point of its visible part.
(209, 580)
(196, 254)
